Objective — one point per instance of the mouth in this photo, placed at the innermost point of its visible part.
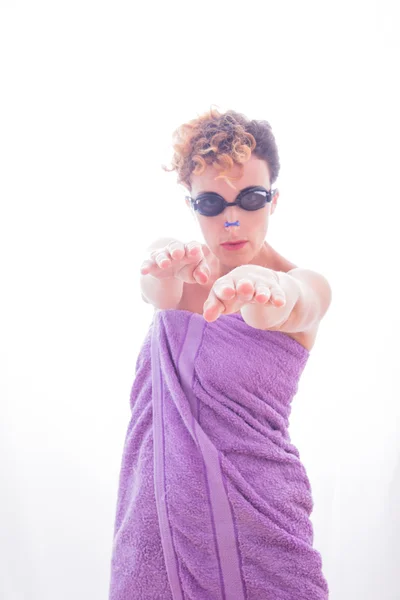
(236, 245)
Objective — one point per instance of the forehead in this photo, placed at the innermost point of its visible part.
(255, 172)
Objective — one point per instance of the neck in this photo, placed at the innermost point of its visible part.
(266, 257)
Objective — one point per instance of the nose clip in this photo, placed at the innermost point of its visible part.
(227, 224)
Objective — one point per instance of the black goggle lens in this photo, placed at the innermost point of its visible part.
(254, 200)
(211, 205)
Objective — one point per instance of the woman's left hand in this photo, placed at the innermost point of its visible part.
(247, 284)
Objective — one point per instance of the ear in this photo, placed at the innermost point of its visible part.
(274, 202)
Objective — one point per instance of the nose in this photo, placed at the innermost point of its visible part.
(231, 215)
(233, 224)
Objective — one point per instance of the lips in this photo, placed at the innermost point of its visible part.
(233, 243)
(237, 245)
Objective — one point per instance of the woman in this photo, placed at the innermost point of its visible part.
(214, 502)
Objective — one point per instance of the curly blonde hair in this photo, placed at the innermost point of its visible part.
(220, 140)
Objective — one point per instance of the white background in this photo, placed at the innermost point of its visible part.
(90, 95)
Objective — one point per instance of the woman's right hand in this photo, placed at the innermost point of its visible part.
(183, 261)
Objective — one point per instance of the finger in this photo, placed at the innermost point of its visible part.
(213, 308)
(147, 266)
(194, 250)
(176, 250)
(202, 273)
(277, 295)
(206, 250)
(245, 290)
(262, 293)
(161, 257)
(224, 289)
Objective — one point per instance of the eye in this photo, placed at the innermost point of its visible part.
(254, 199)
(210, 203)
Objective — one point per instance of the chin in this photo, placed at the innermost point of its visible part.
(235, 258)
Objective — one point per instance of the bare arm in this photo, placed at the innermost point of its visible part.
(308, 296)
(161, 293)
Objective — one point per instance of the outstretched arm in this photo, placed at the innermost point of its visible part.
(290, 302)
(308, 296)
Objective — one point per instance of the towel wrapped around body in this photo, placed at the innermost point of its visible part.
(213, 500)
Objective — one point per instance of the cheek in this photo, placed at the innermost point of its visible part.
(262, 221)
(256, 225)
(210, 228)
(257, 231)
(263, 227)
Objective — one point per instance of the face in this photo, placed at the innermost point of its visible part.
(253, 225)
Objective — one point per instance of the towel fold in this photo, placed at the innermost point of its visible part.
(213, 500)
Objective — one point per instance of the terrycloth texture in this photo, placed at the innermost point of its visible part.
(213, 500)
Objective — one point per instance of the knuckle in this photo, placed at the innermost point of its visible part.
(263, 289)
(157, 251)
(277, 289)
(162, 257)
(192, 245)
(175, 244)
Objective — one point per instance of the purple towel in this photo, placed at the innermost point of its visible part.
(213, 501)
